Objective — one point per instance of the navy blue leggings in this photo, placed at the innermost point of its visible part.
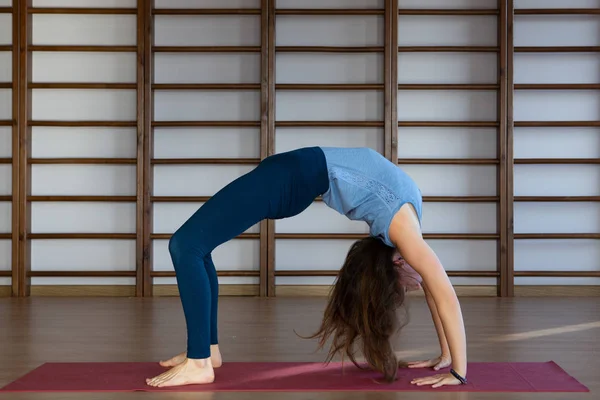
(281, 186)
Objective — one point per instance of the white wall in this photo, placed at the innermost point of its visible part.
(105, 142)
(5, 141)
(232, 142)
(205, 180)
(557, 180)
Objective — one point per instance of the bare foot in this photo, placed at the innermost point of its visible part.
(215, 358)
(189, 372)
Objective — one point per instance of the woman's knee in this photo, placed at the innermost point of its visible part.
(179, 247)
(184, 248)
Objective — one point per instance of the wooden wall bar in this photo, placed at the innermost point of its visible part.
(145, 124)
(502, 165)
(21, 280)
(517, 88)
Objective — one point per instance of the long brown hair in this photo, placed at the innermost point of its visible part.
(363, 306)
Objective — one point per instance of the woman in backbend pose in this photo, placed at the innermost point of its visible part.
(361, 184)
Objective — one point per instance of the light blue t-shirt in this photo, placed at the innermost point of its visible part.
(365, 186)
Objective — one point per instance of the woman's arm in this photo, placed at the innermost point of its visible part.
(445, 350)
(444, 359)
(406, 235)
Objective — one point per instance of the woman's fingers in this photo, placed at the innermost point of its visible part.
(436, 380)
(429, 380)
(421, 364)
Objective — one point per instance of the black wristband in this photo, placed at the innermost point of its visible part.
(457, 376)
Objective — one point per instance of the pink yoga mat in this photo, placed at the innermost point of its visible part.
(287, 377)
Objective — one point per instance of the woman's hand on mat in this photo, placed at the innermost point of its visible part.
(437, 363)
(436, 380)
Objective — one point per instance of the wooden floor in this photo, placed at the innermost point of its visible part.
(37, 330)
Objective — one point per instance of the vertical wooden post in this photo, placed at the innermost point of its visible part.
(146, 148)
(264, 139)
(140, 133)
(144, 107)
(510, 162)
(270, 140)
(24, 143)
(391, 81)
(502, 261)
(16, 200)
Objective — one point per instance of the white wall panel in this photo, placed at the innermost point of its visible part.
(556, 180)
(564, 105)
(234, 255)
(459, 218)
(82, 255)
(447, 68)
(85, 3)
(223, 280)
(5, 179)
(211, 30)
(556, 142)
(191, 180)
(466, 255)
(5, 3)
(454, 180)
(310, 254)
(455, 105)
(60, 29)
(556, 68)
(318, 218)
(5, 256)
(206, 105)
(206, 142)
(287, 139)
(5, 65)
(447, 30)
(5, 104)
(556, 217)
(379, 4)
(467, 281)
(330, 30)
(551, 281)
(5, 28)
(5, 217)
(304, 280)
(83, 217)
(559, 30)
(206, 68)
(84, 67)
(168, 217)
(5, 142)
(329, 68)
(83, 142)
(557, 255)
(556, 3)
(447, 142)
(108, 180)
(329, 106)
(441, 4)
(206, 3)
(80, 104)
(41, 281)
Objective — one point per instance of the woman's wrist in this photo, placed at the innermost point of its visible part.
(460, 369)
(461, 377)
